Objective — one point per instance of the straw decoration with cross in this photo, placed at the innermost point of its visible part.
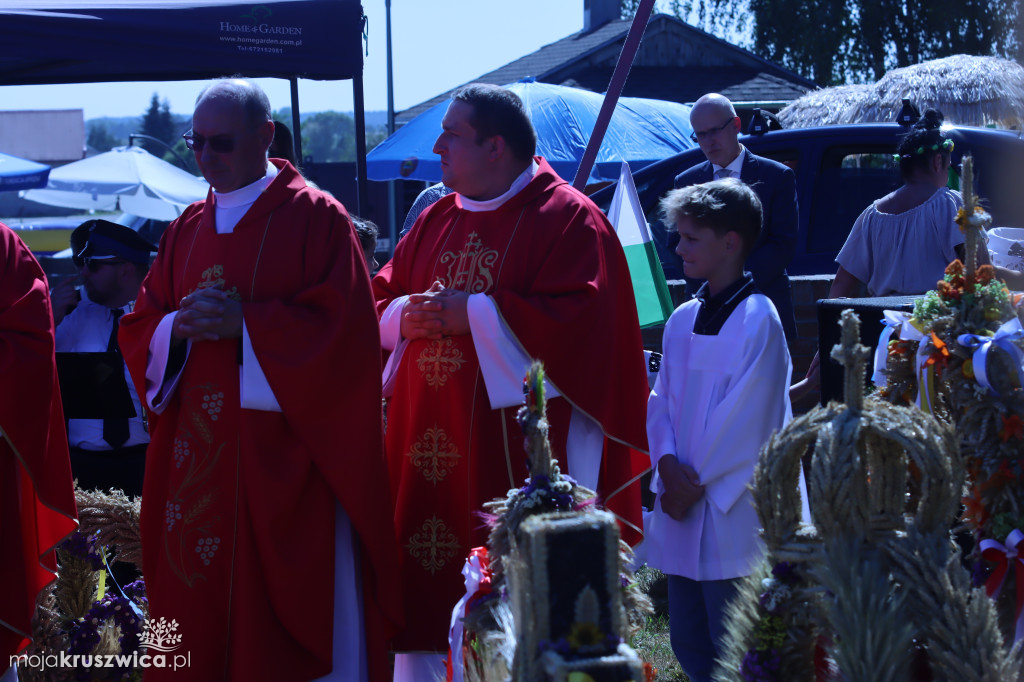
(874, 590)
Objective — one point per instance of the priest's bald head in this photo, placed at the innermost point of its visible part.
(231, 132)
(487, 141)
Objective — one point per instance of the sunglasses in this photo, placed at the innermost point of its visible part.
(222, 144)
(699, 135)
(94, 264)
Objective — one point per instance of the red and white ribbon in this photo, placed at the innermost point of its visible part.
(1002, 556)
(477, 575)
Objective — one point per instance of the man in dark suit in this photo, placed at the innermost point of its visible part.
(716, 129)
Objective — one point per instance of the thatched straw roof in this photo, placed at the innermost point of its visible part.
(827, 106)
(968, 90)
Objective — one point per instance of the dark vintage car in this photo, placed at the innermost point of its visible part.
(840, 170)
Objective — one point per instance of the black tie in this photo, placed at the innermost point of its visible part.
(115, 431)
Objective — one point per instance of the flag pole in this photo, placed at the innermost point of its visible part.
(611, 98)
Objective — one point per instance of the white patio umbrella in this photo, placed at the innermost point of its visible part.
(126, 178)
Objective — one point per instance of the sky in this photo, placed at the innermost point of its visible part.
(437, 45)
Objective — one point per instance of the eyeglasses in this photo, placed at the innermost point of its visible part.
(699, 135)
(222, 144)
(94, 264)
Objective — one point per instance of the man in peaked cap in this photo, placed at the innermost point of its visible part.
(113, 260)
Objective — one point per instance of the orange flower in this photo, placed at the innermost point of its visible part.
(650, 672)
(947, 291)
(1013, 427)
(974, 509)
(940, 356)
(900, 347)
(984, 275)
(961, 218)
(955, 268)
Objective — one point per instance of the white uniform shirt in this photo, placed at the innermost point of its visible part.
(86, 329)
(716, 401)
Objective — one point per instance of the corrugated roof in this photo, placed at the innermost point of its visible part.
(738, 83)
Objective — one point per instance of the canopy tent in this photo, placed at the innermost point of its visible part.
(88, 41)
(128, 178)
(16, 173)
(640, 131)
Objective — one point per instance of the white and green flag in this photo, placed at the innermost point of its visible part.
(653, 302)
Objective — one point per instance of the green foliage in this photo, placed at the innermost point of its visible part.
(329, 136)
(652, 645)
(838, 41)
(158, 122)
(100, 138)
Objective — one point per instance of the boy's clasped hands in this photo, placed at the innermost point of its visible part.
(682, 487)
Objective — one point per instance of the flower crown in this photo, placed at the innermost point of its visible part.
(945, 145)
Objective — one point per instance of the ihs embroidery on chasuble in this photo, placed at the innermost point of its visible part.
(438, 361)
(469, 270)
(433, 545)
(213, 276)
(434, 455)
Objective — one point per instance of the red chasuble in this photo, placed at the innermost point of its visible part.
(238, 505)
(555, 269)
(37, 498)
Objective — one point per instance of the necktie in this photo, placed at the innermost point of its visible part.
(723, 173)
(115, 431)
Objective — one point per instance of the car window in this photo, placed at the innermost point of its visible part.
(787, 157)
(848, 180)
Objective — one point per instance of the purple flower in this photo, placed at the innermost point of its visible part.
(760, 666)
(82, 546)
(785, 572)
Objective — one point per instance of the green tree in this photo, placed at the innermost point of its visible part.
(99, 137)
(329, 136)
(839, 41)
(157, 122)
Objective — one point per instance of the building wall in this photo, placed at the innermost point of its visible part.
(53, 137)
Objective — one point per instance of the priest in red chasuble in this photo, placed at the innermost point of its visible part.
(514, 264)
(266, 509)
(37, 498)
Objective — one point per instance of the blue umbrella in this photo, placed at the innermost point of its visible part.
(641, 131)
(16, 173)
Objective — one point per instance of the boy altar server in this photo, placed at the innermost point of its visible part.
(721, 392)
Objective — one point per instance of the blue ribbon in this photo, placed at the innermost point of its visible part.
(1003, 338)
(893, 322)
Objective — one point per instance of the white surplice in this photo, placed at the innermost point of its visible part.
(716, 401)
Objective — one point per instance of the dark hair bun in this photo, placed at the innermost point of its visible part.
(932, 120)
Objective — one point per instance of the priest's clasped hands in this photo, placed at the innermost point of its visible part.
(207, 315)
(436, 313)
(682, 487)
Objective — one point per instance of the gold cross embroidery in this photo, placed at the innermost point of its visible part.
(433, 545)
(439, 360)
(434, 455)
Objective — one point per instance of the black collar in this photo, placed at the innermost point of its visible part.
(715, 310)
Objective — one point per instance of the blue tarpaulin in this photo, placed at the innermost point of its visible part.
(641, 131)
(16, 173)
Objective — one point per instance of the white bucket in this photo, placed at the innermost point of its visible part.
(1006, 247)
